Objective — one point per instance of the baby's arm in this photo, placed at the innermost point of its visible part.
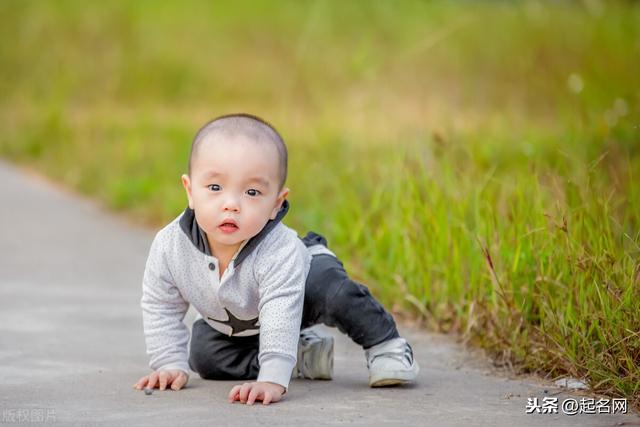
(166, 335)
(281, 273)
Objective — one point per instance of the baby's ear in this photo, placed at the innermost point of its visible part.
(186, 183)
(279, 201)
(283, 195)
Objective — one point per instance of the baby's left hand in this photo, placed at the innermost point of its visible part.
(250, 392)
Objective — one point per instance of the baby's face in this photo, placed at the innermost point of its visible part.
(235, 179)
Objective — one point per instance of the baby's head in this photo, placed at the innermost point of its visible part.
(237, 172)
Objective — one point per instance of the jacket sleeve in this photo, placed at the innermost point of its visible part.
(281, 271)
(163, 311)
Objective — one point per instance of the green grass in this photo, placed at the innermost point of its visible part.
(475, 163)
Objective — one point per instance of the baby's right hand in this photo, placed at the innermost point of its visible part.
(163, 378)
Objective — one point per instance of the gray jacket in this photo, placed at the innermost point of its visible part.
(261, 291)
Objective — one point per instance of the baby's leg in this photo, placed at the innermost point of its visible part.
(332, 298)
(216, 356)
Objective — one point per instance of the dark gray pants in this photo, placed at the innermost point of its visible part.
(331, 297)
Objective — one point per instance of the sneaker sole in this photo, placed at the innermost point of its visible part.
(388, 382)
(393, 378)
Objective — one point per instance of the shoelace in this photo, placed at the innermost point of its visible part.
(309, 336)
(400, 354)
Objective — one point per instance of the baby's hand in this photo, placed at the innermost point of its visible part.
(250, 392)
(163, 378)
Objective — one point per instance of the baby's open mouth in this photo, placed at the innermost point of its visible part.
(226, 226)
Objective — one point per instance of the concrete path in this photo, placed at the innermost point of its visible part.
(71, 342)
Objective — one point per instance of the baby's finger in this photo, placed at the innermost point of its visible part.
(233, 394)
(179, 382)
(253, 394)
(267, 398)
(164, 376)
(244, 392)
(142, 382)
(153, 379)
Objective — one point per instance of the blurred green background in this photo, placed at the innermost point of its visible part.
(474, 163)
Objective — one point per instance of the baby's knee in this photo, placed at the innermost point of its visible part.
(218, 364)
(349, 294)
(199, 363)
(207, 368)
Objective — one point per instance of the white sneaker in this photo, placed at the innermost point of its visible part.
(391, 363)
(315, 356)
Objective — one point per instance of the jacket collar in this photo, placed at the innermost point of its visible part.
(198, 237)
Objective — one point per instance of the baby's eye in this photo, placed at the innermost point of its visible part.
(253, 192)
(213, 187)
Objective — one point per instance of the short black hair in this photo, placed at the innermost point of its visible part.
(244, 124)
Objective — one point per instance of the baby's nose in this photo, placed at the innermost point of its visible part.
(231, 203)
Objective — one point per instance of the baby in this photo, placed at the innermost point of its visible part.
(256, 285)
